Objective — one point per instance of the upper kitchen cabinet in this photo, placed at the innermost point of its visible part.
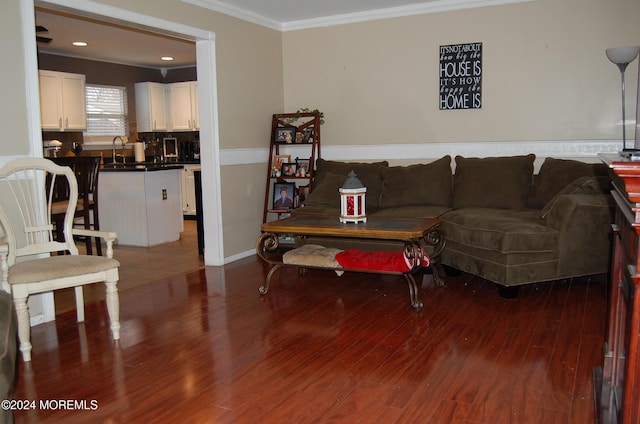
(151, 109)
(62, 101)
(183, 106)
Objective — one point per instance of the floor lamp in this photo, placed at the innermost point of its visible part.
(623, 56)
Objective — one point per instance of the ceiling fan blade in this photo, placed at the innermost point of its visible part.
(40, 28)
(45, 40)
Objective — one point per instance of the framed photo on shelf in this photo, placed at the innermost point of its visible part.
(285, 135)
(278, 160)
(303, 167)
(289, 169)
(303, 193)
(284, 194)
(308, 132)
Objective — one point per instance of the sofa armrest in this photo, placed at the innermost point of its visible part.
(584, 222)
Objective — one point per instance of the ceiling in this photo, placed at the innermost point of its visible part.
(120, 43)
(108, 42)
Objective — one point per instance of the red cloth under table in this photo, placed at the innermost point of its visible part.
(380, 261)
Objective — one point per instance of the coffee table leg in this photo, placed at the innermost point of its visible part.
(437, 240)
(439, 281)
(413, 292)
(265, 287)
(268, 242)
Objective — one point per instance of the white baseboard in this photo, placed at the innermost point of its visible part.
(239, 256)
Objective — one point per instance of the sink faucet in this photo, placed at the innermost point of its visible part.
(113, 148)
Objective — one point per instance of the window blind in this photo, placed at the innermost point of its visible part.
(106, 110)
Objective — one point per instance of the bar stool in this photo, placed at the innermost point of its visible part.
(86, 169)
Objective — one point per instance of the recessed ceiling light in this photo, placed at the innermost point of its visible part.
(79, 43)
(166, 58)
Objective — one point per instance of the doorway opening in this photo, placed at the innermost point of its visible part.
(207, 94)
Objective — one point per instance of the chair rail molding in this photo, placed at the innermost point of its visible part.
(586, 150)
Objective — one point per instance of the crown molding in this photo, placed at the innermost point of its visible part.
(237, 12)
(435, 6)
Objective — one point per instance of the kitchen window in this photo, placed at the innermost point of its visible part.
(106, 113)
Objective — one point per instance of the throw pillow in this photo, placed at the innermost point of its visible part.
(325, 192)
(556, 174)
(416, 185)
(492, 182)
(368, 173)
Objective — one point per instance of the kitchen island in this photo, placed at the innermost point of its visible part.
(141, 202)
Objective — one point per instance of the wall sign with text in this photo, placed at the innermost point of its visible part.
(461, 76)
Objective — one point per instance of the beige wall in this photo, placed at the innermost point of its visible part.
(13, 104)
(242, 220)
(545, 74)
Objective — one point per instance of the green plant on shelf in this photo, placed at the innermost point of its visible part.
(299, 113)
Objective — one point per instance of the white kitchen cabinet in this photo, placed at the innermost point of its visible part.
(183, 106)
(151, 108)
(189, 189)
(62, 101)
(142, 206)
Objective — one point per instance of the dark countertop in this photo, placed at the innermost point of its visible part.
(140, 167)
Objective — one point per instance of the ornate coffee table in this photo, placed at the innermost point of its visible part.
(416, 233)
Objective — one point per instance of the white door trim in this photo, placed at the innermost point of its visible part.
(207, 92)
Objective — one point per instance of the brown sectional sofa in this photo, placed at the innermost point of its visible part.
(502, 222)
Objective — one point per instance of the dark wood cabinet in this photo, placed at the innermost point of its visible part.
(617, 381)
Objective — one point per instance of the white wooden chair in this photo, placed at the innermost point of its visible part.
(28, 260)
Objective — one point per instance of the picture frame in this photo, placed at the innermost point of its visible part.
(303, 165)
(278, 160)
(285, 135)
(303, 193)
(289, 169)
(284, 195)
(308, 132)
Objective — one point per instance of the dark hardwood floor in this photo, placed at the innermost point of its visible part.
(205, 347)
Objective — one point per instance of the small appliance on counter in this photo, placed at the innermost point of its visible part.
(170, 149)
(51, 148)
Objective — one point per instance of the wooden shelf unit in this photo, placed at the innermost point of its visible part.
(305, 123)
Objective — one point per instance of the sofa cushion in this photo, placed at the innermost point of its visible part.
(325, 192)
(316, 210)
(504, 231)
(415, 185)
(411, 212)
(506, 269)
(492, 182)
(312, 255)
(556, 174)
(368, 173)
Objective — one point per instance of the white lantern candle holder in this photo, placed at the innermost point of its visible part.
(352, 200)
